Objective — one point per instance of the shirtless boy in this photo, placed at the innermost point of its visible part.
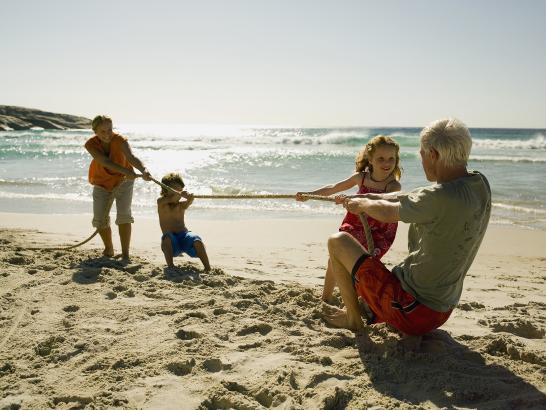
(176, 237)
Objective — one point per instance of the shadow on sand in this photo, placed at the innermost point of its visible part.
(182, 273)
(90, 270)
(447, 374)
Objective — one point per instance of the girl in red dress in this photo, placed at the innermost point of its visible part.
(377, 171)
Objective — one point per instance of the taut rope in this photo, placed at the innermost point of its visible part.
(365, 225)
(108, 207)
(363, 220)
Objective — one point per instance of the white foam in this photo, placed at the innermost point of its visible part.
(537, 142)
(49, 196)
(517, 208)
(501, 158)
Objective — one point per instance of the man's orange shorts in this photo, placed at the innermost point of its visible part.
(389, 303)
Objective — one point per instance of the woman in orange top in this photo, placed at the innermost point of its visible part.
(111, 172)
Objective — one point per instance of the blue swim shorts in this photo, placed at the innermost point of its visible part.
(183, 242)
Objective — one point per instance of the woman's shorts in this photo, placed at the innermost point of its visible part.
(123, 195)
(389, 303)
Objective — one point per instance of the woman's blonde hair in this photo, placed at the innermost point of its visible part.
(98, 120)
(450, 138)
(170, 180)
(363, 158)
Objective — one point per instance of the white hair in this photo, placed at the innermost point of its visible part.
(450, 138)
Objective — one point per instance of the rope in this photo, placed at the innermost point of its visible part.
(107, 209)
(363, 219)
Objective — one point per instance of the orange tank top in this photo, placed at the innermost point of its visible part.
(100, 175)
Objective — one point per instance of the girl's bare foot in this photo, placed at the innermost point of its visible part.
(108, 252)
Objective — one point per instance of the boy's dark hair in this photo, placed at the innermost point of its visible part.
(170, 179)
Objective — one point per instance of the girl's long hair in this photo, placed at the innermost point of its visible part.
(362, 161)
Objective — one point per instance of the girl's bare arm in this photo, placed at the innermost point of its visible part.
(333, 188)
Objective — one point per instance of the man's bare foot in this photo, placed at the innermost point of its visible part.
(337, 320)
(337, 317)
(334, 316)
(328, 308)
(329, 300)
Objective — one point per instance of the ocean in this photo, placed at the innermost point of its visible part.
(46, 171)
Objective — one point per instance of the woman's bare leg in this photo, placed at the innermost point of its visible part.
(125, 238)
(106, 236)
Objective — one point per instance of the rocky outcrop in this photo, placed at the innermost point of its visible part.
(20, 118)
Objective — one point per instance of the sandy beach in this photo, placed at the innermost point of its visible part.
(80, 331)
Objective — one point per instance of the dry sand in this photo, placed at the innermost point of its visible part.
(80, 331)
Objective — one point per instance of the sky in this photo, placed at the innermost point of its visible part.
(284, 63)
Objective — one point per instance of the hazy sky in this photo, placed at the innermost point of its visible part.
(300, 63)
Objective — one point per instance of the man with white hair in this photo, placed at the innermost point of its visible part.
(447, 223)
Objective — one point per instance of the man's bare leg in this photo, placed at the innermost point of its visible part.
(106, 236)
(329, 284)
(125, 238)
(202, 254)
(344, 252)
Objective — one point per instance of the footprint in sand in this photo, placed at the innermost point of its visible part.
(318, 378)
(19, 260)
(519, 327)
(243, 304)
(198, 315)
(503, 346)
(262, 328)
(71, 308)
(111, 295)
(181, 368)
(267, 398)
(249, 346)
(68, 400)
(235, 387)
(215, 365)
(470, 306)
(47, 346)
(185, 334)
(338, 341)
(219, 311)
(141, 278)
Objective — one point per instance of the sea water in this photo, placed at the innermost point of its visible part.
(46, 171)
